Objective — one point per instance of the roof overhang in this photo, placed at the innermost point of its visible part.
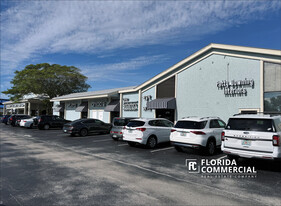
(209, 49)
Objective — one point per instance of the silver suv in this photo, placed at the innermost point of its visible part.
(197, 132)
(252, 136)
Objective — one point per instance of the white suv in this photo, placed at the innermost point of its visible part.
(147, 131)
(197, 132)
(252, 136)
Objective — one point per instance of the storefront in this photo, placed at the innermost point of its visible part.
(218, 80)
(103, 105)
(30, 105)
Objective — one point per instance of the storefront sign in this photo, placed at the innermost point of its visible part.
(18, 105)
(99, 104)
(71, 105)
(234, 88)
(130, 106)
(147, 98)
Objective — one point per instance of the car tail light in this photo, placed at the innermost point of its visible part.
(198, 132)
(141, 129)
(121, 132)
(276, 140)
(173, 130)
(24, 121)
(222, 136)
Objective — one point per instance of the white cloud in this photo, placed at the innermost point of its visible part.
(33, 28)
(120, 71)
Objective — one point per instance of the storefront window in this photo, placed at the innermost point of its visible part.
(272, 102)
(272, 87)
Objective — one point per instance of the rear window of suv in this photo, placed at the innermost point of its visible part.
(261, 125)
(120, 122)
(190, 124)
(135, 123)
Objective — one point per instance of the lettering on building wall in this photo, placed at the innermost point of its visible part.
(130, 106)
(236, 87)
(147, 98)
(18, 105)
(72, 105)
(99, 104)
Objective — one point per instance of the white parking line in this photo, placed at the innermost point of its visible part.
(120, 145)
(221, 157)
(157, 150)
(104, 140)
(27, 135)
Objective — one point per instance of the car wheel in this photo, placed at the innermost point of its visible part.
(83, 132)
(31, 126)
(151, 142)
(132, 144)
(211, 147)
(46, 127)
(179, 149)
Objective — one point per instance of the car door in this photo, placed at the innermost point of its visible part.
(166, 126)
(100, 126)
(90, 124)
(217, 126)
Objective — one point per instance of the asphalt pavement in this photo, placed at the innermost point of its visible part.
(41, 167)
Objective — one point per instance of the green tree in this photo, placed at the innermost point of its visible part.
(51, 80)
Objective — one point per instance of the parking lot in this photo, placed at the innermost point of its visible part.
(40, 167)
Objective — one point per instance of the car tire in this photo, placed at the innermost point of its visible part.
(179, 149)
(83, 132)
(211, 147)
(151, 142)
(30, 127)
(46, 127)
(131, 144)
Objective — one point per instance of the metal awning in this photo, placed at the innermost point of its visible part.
(83, 107)
(163, 103)
(58, 108)
(113, 106)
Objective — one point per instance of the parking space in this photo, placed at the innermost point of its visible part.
(162, 164)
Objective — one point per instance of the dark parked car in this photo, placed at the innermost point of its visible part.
(118, 125)
(85, 126)
(14, 119)
(51, 121)
(5, 119)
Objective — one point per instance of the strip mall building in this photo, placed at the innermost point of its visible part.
(218, 80)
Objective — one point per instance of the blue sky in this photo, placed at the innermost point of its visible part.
(124, 43)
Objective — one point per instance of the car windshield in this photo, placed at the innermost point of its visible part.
(120, 122)
(135, 123)
(190, 124)
(261, 125)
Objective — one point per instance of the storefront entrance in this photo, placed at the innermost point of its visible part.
(166, 113)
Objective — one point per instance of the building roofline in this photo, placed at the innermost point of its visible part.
(202, 51)
(90, 95)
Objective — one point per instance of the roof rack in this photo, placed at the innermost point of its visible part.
(189, 117)
(210, 117)
(268, 114)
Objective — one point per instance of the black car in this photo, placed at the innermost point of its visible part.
(51, 121)
(85, 126)
(15, 118)
(5, 119)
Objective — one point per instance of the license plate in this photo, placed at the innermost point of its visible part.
(114, 135)
(65, 130)
(183, 134)
(130, 131)
(246, 143)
